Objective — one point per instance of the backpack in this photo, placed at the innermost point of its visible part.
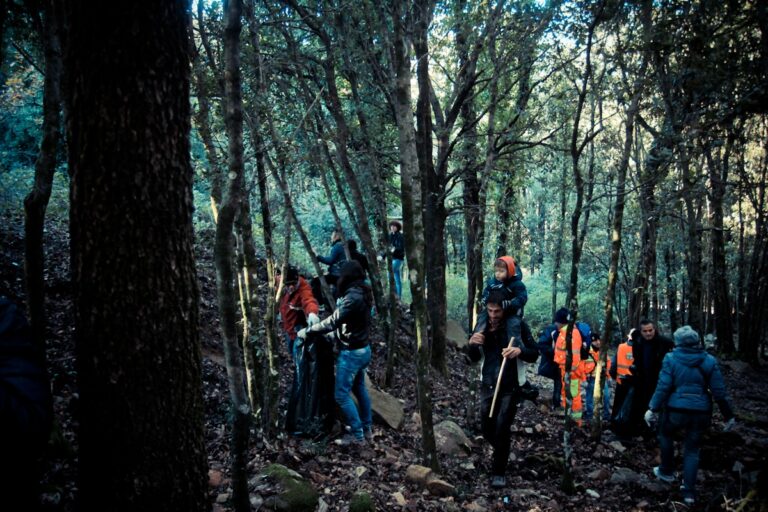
(586, 338)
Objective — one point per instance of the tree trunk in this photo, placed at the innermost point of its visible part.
(203, 121)
(414, 236)
(670, 264)
(753, 321)
(557, 265)
(380, 214)
(268, 365)
(613, 266)
(718, 177)
(566, 483)
(36, 201)
(693, 253)
(224, 255)
(141, 436)
(654, 170)
(577, 148)
(434, 212)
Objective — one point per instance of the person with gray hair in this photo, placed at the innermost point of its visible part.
(689, 380)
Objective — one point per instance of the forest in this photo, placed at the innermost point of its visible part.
(163, 163)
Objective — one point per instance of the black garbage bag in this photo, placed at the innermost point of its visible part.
(622, 423)
(311, 404)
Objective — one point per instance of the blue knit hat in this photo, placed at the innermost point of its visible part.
(686, 337)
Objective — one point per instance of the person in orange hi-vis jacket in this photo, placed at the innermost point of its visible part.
(575, 374)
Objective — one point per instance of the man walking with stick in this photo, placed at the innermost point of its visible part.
(500, 387)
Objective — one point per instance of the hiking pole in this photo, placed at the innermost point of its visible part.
(498, 381)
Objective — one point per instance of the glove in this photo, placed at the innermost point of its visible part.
(312, 319)
(302, 333)
(651, 418)
(729, 425)
(506, 304)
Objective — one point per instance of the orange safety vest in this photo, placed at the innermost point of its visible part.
(561, 352)
(624, 360)
(589, 364)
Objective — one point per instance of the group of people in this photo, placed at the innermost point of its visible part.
(664, 388)
(311, 341)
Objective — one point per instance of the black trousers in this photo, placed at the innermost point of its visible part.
(496, 429)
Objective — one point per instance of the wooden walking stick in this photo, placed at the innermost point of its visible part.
(498, 381)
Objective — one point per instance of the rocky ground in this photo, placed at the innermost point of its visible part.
(609, 475)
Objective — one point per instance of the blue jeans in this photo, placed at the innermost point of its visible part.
(350, 377)
(397, 269)
(673, 424)
(589, 400)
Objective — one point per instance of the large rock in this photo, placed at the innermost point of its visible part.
(438, 487)
(297, 494)
(455, 335)
(451, 439)
(418, 474)
(385, 407)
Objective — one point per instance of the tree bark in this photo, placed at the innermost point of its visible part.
(694, 251)
(718, 178)
(414, 236)
(137, 339)
(36, 202)
(224, 255)
(434, 212)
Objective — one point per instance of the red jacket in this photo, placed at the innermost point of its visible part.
(296, 303)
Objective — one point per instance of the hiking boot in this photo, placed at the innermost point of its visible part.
(350, 440)
(498, 481)
(661, 476)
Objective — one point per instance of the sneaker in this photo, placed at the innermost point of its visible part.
(661, 476)
(368, 434)
(688, 497)
(498, 481)
(350, 440)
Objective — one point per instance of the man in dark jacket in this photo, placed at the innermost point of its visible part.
(335, 259)
(26, 410)
(546, 345)
(492, 344)
(689, 380)
(648, 351)
(397, 251)
(350, 324)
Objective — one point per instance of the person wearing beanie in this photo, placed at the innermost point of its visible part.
(298, 307)
(546, 344)
(350, 325)
(689, 381)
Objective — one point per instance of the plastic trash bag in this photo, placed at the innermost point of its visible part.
(311, 404)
